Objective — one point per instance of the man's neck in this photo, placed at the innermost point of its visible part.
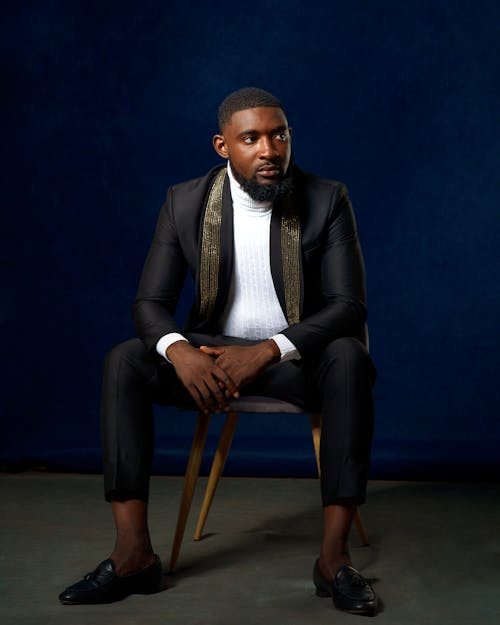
(241, 199)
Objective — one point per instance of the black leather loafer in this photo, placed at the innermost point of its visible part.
(349, 590)
(104, 586)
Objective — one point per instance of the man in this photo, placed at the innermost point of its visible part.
(279, 311)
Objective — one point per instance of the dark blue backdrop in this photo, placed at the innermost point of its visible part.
(105, 104)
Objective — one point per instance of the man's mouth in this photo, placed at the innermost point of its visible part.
(270, 171)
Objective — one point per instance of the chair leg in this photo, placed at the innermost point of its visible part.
(315, 418)
(190, 479)
(219, 461)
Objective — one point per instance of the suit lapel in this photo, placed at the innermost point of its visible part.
(226, 249)
(275, 254)
(281, 209)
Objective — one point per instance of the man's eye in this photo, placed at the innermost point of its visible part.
(282, 136)
(248, 139)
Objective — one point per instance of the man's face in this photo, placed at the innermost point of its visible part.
(257, 143)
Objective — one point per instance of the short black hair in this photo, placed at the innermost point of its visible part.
(246, 98)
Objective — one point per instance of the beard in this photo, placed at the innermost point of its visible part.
(265, 192)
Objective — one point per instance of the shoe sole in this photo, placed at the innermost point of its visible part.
(145, 588)
(324, 593)
(97, 602)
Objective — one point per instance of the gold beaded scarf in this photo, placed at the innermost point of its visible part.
(210, 252)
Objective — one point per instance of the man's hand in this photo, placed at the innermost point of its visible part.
(207, 382)
(244, 364)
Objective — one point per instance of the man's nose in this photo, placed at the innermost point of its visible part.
(267, 149)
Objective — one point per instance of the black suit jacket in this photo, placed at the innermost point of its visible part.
(333, 295)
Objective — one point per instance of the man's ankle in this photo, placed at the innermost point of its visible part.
(131, 562)
(332, 557)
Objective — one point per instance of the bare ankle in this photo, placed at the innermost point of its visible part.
(332, 557)
(131, 562)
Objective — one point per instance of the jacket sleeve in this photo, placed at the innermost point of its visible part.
(161, 281)
(341, 301)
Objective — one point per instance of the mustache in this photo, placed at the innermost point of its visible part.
(271, 166)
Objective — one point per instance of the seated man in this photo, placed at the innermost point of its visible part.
(279, 311)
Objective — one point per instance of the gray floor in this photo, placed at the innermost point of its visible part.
(434, 557)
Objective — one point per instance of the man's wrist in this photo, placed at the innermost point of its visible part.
(176, 349)
(272, 350)
(166, 340)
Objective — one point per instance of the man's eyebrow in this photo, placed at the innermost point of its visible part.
(248, 132)
(252, 131)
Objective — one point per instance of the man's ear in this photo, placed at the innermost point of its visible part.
(220, 146)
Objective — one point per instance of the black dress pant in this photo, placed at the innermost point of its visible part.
(338, 382)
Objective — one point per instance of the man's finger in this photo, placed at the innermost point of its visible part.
(217, 395)
(198, 400)
(231, 387)
(212, 351)
(208, 398)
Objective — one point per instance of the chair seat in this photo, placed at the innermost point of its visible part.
(254, 403)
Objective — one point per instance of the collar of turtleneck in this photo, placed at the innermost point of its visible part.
(241, 199)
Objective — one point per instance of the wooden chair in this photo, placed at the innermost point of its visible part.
(237, 406)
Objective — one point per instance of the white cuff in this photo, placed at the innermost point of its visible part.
(286, 347)
(167, 340)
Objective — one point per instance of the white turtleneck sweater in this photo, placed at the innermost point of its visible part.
(252, 310)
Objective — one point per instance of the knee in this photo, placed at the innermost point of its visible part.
(351, 354)
(128, 352)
